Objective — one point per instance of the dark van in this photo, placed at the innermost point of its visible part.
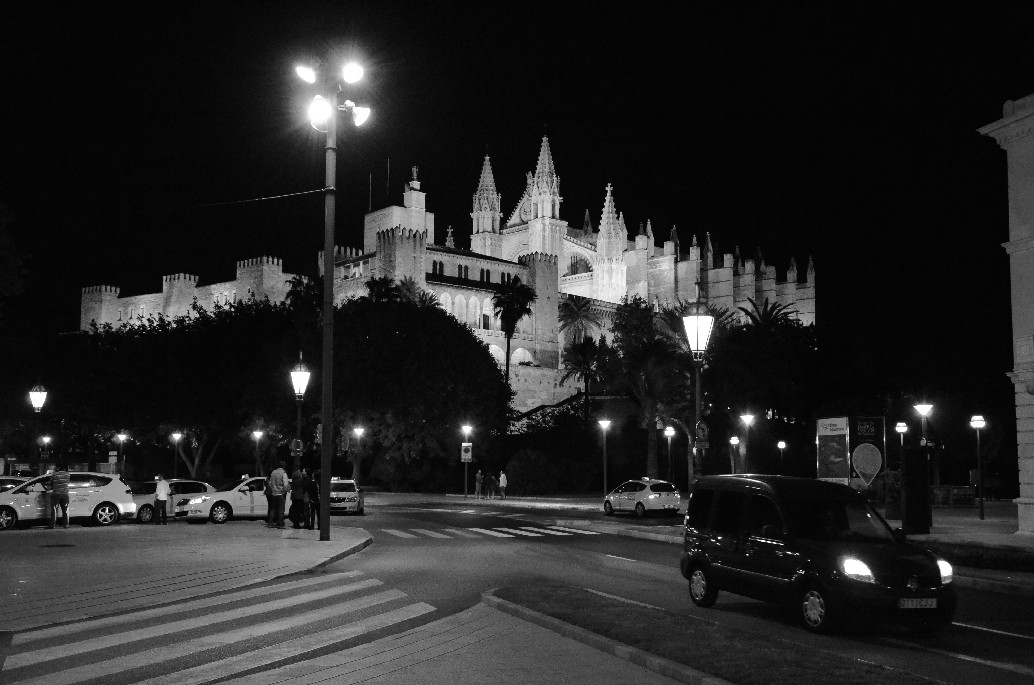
(818, 548)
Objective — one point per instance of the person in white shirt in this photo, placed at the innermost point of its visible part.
(502, 485)
(161, 501)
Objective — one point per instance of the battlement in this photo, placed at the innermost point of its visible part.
(538, 257)
(398, 234)
(187, 278)
(101, 289)
(259, 261)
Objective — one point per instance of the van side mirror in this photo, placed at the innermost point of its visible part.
(899, 535)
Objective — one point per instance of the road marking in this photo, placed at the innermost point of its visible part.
(993, 630)
(621, 599)
(573, 530)
(520, 532)
(112, 640)
(1015, 668)
(460, 532)
(166, 611)
(613, 556)
(429, 533)
(547, 531)
(181, 650)
(491, 532)
(397, 533)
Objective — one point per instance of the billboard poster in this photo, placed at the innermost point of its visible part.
(831, 439)
(868, 447)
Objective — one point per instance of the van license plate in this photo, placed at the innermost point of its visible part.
(917, 603)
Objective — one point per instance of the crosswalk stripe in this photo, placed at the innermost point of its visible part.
(460, 532)
(397, 533)
(574, 530)
(520, 532)
(493, 533)
(225, 668)
(19, 660)
(191, 647)
(547, 531)
(166, 611)
(429, 533)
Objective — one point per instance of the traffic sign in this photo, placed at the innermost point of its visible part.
(702, 444)
(465, 452)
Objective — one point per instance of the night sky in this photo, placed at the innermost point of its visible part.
(134, 132)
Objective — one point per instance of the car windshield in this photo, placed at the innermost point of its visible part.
(829, 520)
(342, 487)
(143, 488)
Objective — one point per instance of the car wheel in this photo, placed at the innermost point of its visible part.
(608, 510)
(105, 514)
(220, 513)
(814, 609)
(640, 510)
(8, 518)
(701, 590)
(146, 514)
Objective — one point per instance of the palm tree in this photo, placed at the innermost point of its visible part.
(576, 313)
(384, 289)
(582, 360)
(512, 302)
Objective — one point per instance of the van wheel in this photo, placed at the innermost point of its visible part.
(105, 514)
(220, 513)
(608, 510)
(8, 518)
(640, 510)
(146, 514)
(701, 590)
(814, 610)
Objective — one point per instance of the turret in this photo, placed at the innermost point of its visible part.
(545, 188)
(609, 273)
(99, 304)
(486, 214)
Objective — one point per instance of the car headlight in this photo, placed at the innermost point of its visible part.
(947, 572)
(199, 500)
(856, 569)
(653, 496)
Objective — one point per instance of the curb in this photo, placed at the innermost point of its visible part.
(363, 544)
(652, 662)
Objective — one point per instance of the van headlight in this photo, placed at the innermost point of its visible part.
(947, 573)
(198, 500)
(856, 569)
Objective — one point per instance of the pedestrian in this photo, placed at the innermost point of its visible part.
(269, 504)
(278, 488)
(297, 514)
(59, 495)
(312, 500)
(492, 485)
(161, 501)
(502, 484)
(477, 484)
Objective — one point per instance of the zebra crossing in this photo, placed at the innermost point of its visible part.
(210, 638)
(510, 532)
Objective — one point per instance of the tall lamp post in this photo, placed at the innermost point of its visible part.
(466, 428)
(121, 437)
(748, 421)
(176, 437)
(299, 380)
(901, 427)
(358, 430)
(323, 116)
(782, 446)
(258, 462)
(37, 396)
(45, 447)
(734, 442)
(924, 411)
(668, 433)
(604, 425)
(698, 322)
(977, 422)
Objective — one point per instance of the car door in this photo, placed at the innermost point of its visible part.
(635, 491)
(30, 500)
(726, 545)
(83, 491)
(183, 490)
(769, 563)
(259, 504)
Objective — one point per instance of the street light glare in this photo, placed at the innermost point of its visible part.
(319, 112)
(747, 419)
(924, 409)
(781, 445)
(669, 431)
(352, 72)
(360, 115)
(257, 434)
(307, 74)
(358, 432)
(977, 422)
(604, 423)
(300, 377)
(901, 427)
(734, 440)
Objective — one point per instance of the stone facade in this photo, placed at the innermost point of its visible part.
(535, 245)
(1014, 132)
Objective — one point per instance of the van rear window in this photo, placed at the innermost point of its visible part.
(700, 509)
(662, 487)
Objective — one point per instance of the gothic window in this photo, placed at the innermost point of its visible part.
(120, 315)
(482, 276)
(235, 297)
(446, 301)
(466, 273)
(486, 315)
(459, 271)
(488, 276)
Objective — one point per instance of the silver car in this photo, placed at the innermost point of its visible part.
(104, 498)
(143, 495)
(643, 496)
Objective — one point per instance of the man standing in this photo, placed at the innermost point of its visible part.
(161, 501)
(297, 514)
(278, 488)
(312, 495)
(502, 485)
(59, 496)
(477, 484)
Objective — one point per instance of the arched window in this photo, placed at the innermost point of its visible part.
(486, 314)
(466, 272)
(488, 276)
(459, 271)
(445, 299)
(459, 309)
(473, 313)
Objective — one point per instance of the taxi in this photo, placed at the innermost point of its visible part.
(242, 498)
(346, 496)
(643, 496)
(103, 498)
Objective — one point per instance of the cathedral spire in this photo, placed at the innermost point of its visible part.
(546, 185)
(448, 239)
(587, 223)
(544, 170)
(487, 202)
(609, 220)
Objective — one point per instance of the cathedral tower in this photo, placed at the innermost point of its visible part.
(609, 272)
(485, 238)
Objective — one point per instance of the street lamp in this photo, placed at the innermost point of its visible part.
(358, 430)
(977, 422)
(323, 116)
(782, 446)
(466, 428)
(121, 437)
(748, 420)
(45, 447)
(668, 433)
(258, 462)
(901, 427)
(300, 380)
(176, 436)
(924, 411)
(604, 425)
(37, 396)
(698, 322)
(733, 442)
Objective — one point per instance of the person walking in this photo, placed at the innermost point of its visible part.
(59, 496)
(502, 485)
(161, 501)
(297, 514)
(478, 478)
(279, 486)
(312, 500)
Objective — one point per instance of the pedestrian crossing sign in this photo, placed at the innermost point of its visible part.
(465, 454)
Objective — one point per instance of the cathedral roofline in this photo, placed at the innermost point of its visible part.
(468, 253)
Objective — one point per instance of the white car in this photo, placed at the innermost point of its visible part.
(244, 498)
(103, 498)
(9, 482)
(346, 496)
(642, 496)
(143, 495)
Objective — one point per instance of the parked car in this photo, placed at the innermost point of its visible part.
(244, 498)
(643, 496)
(346, 496)
(10, 482)
(103, 498)
(817, 547)
(143, 495)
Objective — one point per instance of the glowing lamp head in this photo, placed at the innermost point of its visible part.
(924, 409)
(352, 72)
(781, 444)
(466, 430)
(176, 437)
(46, 440)
(901, 427)
(604, 423)
(747, 419)
(358, 431)
(121, 437)
(300, 377)
(320, 112)
(307, 74)
(669, 431)
(734, 440)
(698, 322)
(37, 396)
(977, 422)
(257, 435)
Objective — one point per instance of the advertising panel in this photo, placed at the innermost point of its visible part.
(868, 446)
(831, 440)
